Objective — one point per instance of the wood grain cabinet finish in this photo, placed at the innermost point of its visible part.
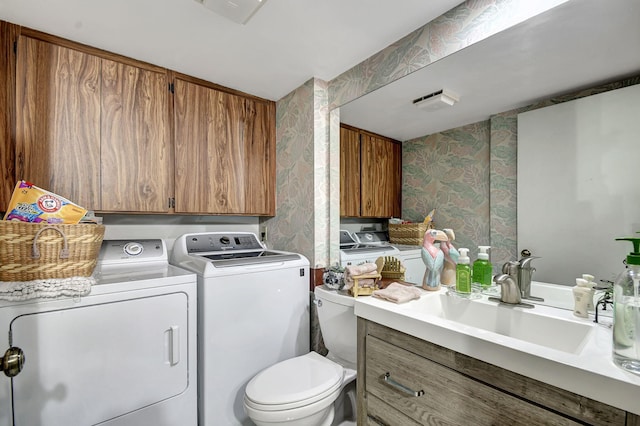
(96, 128)
(380, 167)
(370, 174)
(8, 34)
(454, 389)
(349, 172)
(224, 152)
(58, 120)
(136, 155)
(92, 129)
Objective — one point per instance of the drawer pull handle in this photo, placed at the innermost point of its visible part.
(402, 388)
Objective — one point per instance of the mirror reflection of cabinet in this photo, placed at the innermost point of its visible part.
(370, 174)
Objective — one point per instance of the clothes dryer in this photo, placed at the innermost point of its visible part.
(124, 355)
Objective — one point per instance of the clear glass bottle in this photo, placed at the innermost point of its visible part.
(626, 313)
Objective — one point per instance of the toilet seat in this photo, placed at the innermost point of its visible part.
(294, 383)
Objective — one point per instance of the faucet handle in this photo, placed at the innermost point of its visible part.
(511, 267)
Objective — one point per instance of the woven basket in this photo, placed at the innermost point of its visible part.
(36, 251)
(408, 233)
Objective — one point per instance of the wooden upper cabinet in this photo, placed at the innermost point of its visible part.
(260, 157)
(349, 172)
(8, 36)
(136, 155)
(91, 129)
(58, 120)
(224, 152)
(370, 174)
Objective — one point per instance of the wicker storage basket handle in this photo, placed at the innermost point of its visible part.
(64, 251)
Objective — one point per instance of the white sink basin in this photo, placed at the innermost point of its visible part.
(512, 321)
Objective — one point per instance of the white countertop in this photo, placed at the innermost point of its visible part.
(590, 372)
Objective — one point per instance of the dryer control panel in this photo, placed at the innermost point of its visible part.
(132, 251)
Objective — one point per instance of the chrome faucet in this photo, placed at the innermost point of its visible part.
(525, 272)
(508, 281)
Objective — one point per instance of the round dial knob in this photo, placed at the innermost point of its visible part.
(225, 240)
(133, 249)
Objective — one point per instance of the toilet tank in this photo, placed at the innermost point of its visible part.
(338, 324)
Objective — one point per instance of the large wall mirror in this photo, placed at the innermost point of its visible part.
(578, 184)
(548, 56)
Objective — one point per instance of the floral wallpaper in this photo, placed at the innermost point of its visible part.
(303, 175)
(449, 171)
(292, 228)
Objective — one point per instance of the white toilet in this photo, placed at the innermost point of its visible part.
(311, 390)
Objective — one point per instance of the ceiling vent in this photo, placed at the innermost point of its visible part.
(436, 100)
(239, 11)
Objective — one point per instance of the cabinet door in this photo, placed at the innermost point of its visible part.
(135, 156)
(8, 36)
(58, 120)
(260, 157)
(224, 152)
(349, 172)
(380, 177)
(209, 165)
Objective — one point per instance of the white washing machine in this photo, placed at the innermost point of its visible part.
(354, 251)
(253, 311)
(410, 256)
(123, 355)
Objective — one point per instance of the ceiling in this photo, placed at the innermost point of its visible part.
(283, 45)
(576, 45)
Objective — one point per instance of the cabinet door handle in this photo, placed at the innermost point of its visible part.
(402, 388)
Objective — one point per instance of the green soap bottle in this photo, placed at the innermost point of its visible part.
(482, 269)
(463, 272)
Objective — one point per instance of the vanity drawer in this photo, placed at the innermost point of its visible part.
(445, 396)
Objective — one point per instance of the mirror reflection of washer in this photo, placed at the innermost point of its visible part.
(253, 311)
(124, 355)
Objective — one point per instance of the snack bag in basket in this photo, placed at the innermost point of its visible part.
(32, 204)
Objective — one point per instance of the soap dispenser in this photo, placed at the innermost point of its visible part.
(463, 272)
(583, 296)
(482, 269)
(626, 312)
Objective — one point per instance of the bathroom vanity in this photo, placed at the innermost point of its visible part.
(419, 363)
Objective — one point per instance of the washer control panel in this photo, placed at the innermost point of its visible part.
(132, 251)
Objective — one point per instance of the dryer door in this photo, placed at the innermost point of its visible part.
(88, 364)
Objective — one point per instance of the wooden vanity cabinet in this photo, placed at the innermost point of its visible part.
(454, 389)
(90, 128)
(224, 151)
(370, 174)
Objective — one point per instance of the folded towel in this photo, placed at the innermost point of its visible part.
(49, 288)
(357, 270)
(365, 268)
(398, 293)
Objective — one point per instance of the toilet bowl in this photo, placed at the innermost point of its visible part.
(302, 391)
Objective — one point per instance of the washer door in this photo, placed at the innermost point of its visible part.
(88, 364)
